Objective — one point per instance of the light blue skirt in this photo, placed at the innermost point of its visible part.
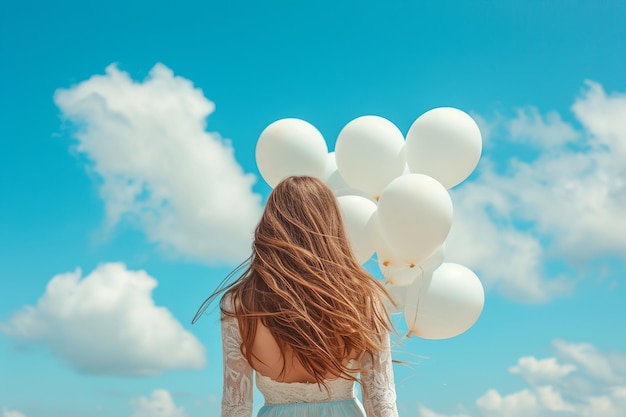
(345, 408)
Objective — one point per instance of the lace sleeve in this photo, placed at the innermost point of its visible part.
(379, 392)
(237, 394)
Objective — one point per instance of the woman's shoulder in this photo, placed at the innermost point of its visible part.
(231, 304)
(227, 304)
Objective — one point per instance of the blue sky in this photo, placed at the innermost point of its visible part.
(120, 213)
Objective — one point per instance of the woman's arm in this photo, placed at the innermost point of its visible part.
(237, 394)
(379, 392)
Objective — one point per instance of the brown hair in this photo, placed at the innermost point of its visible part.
(305, 285)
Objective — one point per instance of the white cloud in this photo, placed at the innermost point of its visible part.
(484, 239)
(588, 357)
(426, 412)
(602, 114)
(158, 404)
(533, 369)
(579, 389)
(522, 403)
(541, 401)
(11, 413)
(157, 166)
(549, 132)
(552, 400)
(566, 203)
(107, 323)
(601, 406)
(547, 401)
(486, 127)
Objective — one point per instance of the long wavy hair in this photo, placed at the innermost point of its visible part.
(305, 285)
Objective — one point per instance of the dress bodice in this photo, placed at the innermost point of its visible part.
(378, 391)
(276, 392)
(297, 392)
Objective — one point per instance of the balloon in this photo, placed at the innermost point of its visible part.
(398, 295)
(445, 303)
(396, 271)
(332, 176)
(370, 153)
(290, 147)
(384, 253)
(399, 276)
(404, 275)
(444, 143)
(415, 216)
(435, 260)
(357, 215)
(400, 273)
(335, 181)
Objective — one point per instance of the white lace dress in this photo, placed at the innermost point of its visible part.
(304, 399)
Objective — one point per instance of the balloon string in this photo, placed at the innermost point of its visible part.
(419, 296)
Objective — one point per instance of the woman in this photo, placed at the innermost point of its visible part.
(305, 317)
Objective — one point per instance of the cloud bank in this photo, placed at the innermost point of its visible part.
(107, 324)
(158, 404)
(11, 413)
(579, 381)
(158, 168)
(562, 198)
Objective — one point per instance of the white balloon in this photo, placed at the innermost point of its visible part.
(444, 143)
(399, 276)
(357, 215)
(398, 295)
(385, 255)
(290, 147)
(332, 176)
(335, 181)
(370, 153)
(397, 272)
(415, 216)
(435, 260)
(444, 304)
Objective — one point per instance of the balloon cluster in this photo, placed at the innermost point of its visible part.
(393, 195)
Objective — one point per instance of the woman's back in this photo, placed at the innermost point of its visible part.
(286, 398)
(305, 313)
(268, 360)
